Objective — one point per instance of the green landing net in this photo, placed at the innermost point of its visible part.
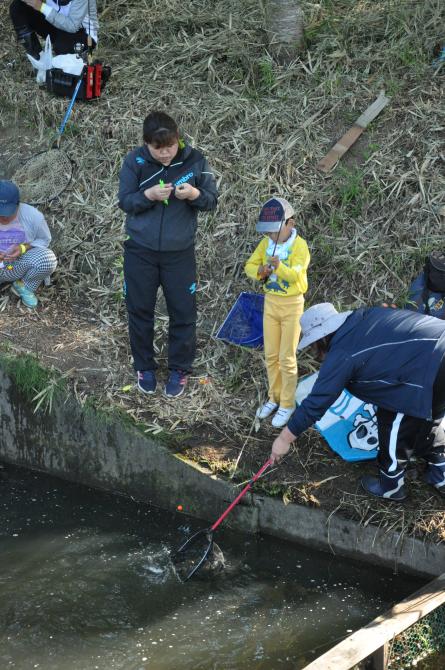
(421, 640)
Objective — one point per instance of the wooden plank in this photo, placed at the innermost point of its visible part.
(379, 659)
(373, 110)
(351, 136)
(383, 629)
(341, 147)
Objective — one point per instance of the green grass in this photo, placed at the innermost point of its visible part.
(38, 384)
(351, 190)
(267, 76)
(372, 148)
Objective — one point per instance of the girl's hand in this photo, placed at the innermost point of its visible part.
(187, 192)
(158, 192)
(12, 253)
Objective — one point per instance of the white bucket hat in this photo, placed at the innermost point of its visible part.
(318, 321)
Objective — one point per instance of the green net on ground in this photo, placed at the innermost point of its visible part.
(424, 638)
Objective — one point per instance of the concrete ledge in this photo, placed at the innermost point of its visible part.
(101, 452)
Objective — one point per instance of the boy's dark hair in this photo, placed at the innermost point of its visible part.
(160, 130)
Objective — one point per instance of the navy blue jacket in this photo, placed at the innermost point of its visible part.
(153, 224)
(388, 357)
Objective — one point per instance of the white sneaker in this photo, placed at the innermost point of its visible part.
(267, 409)
(282, 417)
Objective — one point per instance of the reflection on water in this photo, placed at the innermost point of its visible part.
(86, 582)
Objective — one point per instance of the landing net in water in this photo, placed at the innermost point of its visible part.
(198, 553)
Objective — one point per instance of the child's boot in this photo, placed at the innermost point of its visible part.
(435, 472)
(385, 485)
(28, 297)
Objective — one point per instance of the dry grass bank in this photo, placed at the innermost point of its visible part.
(263, 128)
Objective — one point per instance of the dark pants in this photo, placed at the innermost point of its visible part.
(400, 435)
(145, 270)
(24, 17)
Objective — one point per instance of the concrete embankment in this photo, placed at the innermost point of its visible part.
(101, 451)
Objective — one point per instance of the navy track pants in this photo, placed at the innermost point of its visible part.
(175, 271)
(401, 435)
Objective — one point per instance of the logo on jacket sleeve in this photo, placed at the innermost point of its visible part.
(140, 160)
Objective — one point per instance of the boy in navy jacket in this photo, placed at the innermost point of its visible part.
(163, 186)
(394, 359)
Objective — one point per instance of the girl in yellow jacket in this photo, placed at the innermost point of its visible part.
(280, 261)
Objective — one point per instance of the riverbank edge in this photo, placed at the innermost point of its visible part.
(97, 449)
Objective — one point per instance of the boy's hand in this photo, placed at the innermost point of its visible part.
(274, 261)
(158, 192)
(264, 271)
(187, 192)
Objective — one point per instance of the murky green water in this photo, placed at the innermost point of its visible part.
(86, 582)
(436, 662)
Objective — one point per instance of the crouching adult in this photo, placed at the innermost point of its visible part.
(25, 258)
(67, 22)
(394, 359)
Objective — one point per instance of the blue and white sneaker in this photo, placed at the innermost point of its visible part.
(175, 385)
(147, 381)
(28, 297)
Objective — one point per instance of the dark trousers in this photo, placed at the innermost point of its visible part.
(401, 435)
(25, 17)
(175, 271)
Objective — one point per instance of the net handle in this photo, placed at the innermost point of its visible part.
(241, 494)
(70, 106)
(266, 279)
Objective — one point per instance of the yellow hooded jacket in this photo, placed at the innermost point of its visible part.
(291, 276)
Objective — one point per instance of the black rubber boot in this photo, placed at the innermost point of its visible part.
(388, 486)
(30, 42)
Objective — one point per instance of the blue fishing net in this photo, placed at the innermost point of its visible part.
(244, 323)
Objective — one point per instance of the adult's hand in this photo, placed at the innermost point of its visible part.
(158, 192)
(35, 4)
(281, 445)
(187, 192)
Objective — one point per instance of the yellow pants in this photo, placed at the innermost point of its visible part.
(281, 325)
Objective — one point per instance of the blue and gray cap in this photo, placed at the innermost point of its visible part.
(274, 213)
(9, 198)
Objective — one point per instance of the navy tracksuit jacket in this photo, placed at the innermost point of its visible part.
(384, 356)
(393, 359)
